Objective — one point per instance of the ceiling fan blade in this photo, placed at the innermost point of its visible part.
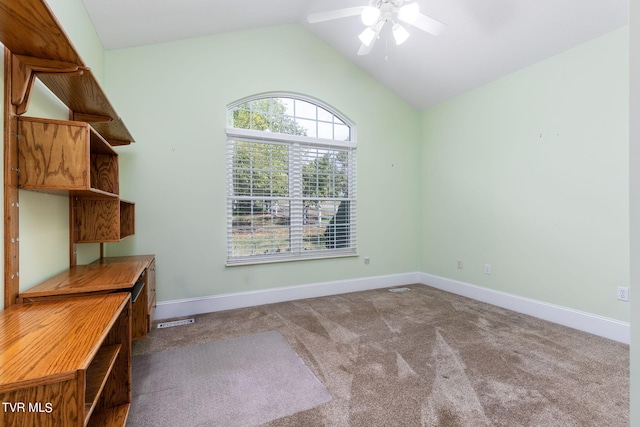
(428, 24)
(334, 14)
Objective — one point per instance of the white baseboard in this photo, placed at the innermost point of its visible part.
(192, 306)
(583, 321)
(597, 325)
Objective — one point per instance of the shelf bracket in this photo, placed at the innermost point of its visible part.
(96, 121)
(24, 71)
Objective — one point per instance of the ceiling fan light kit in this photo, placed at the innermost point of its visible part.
(409, 13)
(367, 36)
(370, 15)
(377, 14)
(400, 35)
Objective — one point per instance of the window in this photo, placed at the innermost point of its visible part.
(290, 181)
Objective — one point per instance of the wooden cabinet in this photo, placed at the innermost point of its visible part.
(106, 275)
(99, 220)
(66, 157)
(66, 362)
(146, 303)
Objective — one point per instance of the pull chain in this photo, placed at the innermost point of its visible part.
(386, 48)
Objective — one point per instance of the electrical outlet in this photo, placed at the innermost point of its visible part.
(487, 269)
(460, 264)
(367, 261)
(623, 293)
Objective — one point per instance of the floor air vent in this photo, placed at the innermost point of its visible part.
(176, 323)
(399, 289)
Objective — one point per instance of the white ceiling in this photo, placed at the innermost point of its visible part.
(484, 39)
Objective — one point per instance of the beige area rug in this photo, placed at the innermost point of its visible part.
(242, 381)
(425, 357)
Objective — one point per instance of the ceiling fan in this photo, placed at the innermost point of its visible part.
(377, 14)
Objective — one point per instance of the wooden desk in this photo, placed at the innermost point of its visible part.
(66, 362)
(111, 274)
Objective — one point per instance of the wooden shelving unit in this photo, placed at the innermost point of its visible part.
(67, 361)
(72, 157)
(65, 349)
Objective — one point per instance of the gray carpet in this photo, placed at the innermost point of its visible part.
(425, 357)
(243, 381)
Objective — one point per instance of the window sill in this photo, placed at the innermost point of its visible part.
(270, 259)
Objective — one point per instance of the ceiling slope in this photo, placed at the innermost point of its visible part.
(482, 42)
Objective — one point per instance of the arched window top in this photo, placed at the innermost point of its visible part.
(290, 115)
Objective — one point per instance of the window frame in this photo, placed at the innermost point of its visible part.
(294, 142)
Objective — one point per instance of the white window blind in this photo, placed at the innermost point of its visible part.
(290, 195)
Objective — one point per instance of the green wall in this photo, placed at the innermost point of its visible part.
(173, 97)
(530, 174)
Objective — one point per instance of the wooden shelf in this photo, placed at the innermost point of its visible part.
(97, 375)
(65, 157)
(116, 416)
(30, 30)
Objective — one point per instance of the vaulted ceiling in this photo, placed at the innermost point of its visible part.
(484, 39)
